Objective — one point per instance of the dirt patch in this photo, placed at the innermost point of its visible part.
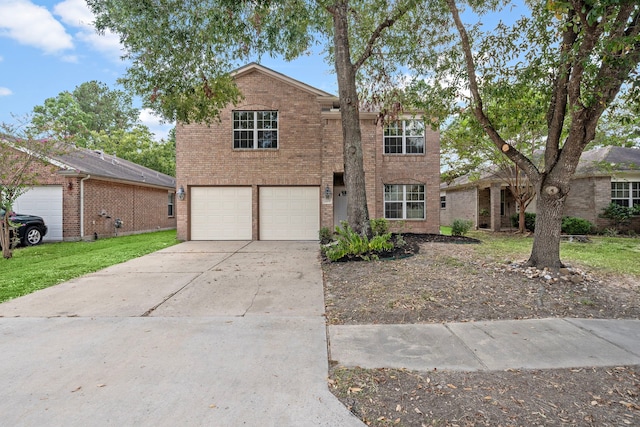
(446, 282)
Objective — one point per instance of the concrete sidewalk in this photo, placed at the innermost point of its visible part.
(497, 345)
(199, 334)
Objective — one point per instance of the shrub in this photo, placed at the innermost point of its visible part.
(529, 221)
(619, 215)
(460, 227)
(325, 235)
(379, 226)
(575, 225)
(351, 244)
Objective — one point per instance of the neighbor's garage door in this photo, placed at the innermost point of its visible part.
(44, 201)
(289, 213)
(220, 213)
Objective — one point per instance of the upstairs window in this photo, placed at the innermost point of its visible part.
(404, 137)
(255, 129)
(404, 202)
(625, 193)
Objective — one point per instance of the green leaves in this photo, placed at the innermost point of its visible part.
(350, 244)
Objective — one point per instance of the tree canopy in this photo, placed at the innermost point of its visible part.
(577, 54)
(97, 117)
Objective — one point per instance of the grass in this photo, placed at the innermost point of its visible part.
(607, 254)
(38, 267)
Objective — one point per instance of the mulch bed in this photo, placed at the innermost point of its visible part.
(443, 279)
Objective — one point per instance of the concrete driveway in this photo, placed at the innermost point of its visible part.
(199, 334)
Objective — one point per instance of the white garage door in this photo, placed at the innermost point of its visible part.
(221, 213)
(289, 213)
(44, 201)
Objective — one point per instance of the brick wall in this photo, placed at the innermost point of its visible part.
(411, 169)
(205, 154)
(461, 204)
(141, 209)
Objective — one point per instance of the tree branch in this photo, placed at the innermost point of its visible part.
(511, 152)
(558, 105)
(400, 11)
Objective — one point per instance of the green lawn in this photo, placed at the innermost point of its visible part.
(39, 267)
(608, 254)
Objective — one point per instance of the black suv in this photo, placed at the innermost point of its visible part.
(31, 228)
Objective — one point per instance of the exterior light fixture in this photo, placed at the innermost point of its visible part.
(327, 193)
(181, 193)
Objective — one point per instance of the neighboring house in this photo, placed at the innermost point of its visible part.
(82, 194)
(603, 175)
(272, 167)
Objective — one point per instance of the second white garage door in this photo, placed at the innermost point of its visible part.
(289, 213)
(221, 213)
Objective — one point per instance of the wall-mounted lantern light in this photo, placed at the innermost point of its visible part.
(181, 193)
(327, 193)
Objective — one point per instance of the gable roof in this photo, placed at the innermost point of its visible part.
(81, 161)
(602, 161)
(253, 66)
(599, 161)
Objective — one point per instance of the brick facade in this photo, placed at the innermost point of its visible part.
(142, 207)
(309, 152)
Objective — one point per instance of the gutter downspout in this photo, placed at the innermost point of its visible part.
(82, 206)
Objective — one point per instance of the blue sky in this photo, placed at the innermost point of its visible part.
(48, 46)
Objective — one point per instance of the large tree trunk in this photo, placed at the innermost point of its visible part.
(552, 192)
(357, 211)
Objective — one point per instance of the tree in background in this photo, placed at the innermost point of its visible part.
(107, 110)
(138, 145)
(620, 124)
(182, 52)
(20, 154)
(96, 117)
(518, 113)
(589, 51)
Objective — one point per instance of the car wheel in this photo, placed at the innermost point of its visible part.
(32, 236)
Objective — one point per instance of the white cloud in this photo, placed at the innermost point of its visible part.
(76, 14)
(5, 91)
(154, 123)
(33, 25)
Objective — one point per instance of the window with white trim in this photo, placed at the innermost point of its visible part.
(255, 129)
(404, 201)
(625, 193)
(404, 137)
(443, 202)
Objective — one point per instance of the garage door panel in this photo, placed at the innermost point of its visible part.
(221, 213)
(44, 201)
(289, 213)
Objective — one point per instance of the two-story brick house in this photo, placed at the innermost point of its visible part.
(272, 167)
